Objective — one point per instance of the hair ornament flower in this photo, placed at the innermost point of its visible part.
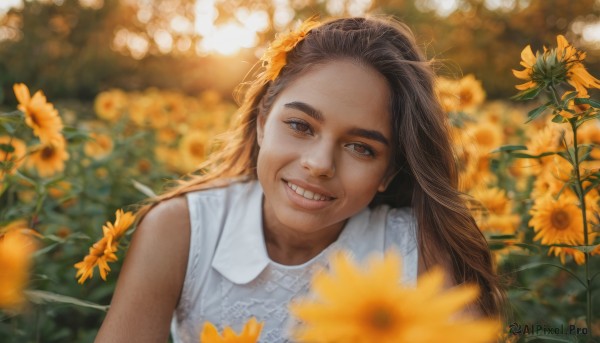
(274, 59)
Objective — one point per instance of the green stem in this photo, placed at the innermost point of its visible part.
(581, 195)
(555, 95)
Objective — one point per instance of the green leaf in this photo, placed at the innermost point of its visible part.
(568, 97)
(44, 250)
(593, 103)
(528, 94)
(541, 264)
(76, 136)
(537, 112)
(502, 237)
(509, 148)
(558, 119)
(41, 297)
(522, 155)
(7, 147)
(147, 191)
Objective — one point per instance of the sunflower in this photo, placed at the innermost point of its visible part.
(12, 152)
(564, 63)
(49, 159)
(470, 92)
(557, 221)
(103, 251)
(575, 110)
(16, 247)
(99, 147)
(137, 109)
(590, 133)
(275, 58)
(249, 333)
(446, 93)
(498, 218)
(110, 105)
(528, 60)
(493, 199)
(174, 107)
(577, 75)
(192, 149)
(485, 135)
(562, 252)
(166, 135)
(40, 115)
(473, 167)
(369, 305)
(546, 184)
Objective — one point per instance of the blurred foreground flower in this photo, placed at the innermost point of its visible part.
(354, 305)
(16, 247)
(40, 115)
(249, 333)
(104, 250)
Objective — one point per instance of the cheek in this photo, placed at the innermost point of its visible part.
(361, 178)
(276, 148)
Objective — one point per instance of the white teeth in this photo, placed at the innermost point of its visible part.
(305, 193)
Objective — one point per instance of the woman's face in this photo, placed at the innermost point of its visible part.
(325, 147)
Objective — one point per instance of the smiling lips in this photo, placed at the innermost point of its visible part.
(308, 194)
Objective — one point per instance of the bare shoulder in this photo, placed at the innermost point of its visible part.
(152, 276)
(166, 217)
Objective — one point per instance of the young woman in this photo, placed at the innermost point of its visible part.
(339, 143)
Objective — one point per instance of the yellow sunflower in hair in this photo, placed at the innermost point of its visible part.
(275, 57)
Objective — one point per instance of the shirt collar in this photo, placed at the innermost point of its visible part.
(241, 254)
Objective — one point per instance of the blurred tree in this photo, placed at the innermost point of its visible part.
(74, 51)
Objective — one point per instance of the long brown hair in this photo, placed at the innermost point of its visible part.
(423, 161)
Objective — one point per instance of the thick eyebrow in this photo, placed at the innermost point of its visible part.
(306, 108)
(370, 134)
(317, 115)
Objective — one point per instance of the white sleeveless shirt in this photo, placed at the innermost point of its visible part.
(230, 278)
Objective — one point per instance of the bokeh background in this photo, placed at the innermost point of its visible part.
(73, 49)
(144, 85)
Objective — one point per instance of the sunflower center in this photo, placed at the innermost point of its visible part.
(197, 149)
(466, 97)
(381, 319)
(47, 153)
(560, 219)
(484, 138)
(34, 118)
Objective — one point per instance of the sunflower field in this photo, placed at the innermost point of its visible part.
(105, 103)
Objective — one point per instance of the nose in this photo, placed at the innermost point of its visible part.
(319, 161)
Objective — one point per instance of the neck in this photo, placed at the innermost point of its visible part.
(288, 246)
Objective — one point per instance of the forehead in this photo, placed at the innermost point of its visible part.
(343, 89)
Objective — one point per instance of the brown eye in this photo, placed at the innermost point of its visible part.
(361, 149)
(299, 126)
